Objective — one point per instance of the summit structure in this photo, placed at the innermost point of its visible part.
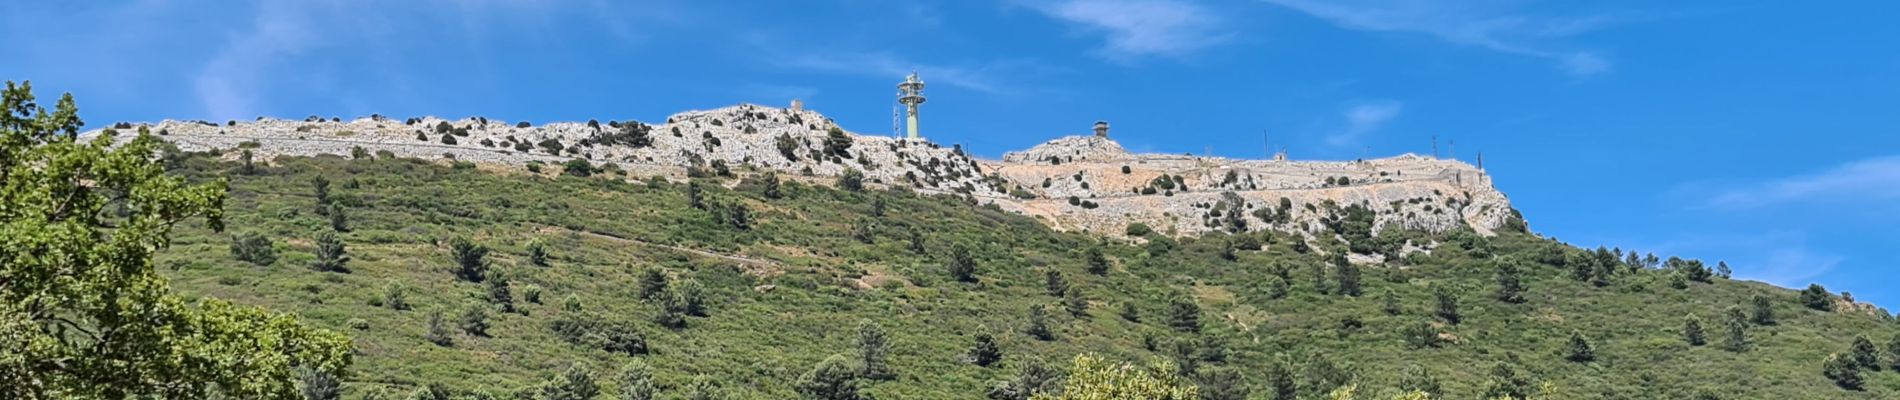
(910, 93)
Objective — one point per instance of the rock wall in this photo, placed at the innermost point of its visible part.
(1076, 183)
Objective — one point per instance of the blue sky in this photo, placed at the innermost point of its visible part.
(1763, 133)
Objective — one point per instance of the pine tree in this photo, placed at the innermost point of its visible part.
(1097, 263)
(538, 252)
(1417, 378)
(962, 265)
(471, 262)
(1864, 354)
(331, 255)
(1893, 353)
(1736, 329)
(771, 186)
(1692, 331)
(1039, 324)
(1447, 304)
(438, 330)
(1184, 315)
(1390, 303)
(1764, 311)
(339, 218)
(577, 383)
(873, 348)
(1347, 274)
(1510, 283)
(636, 381)
(1844, 371)
(1280, 381)
(1130, 313)
(652, 283)
(1222, 383)
(1323, 376)
(1580, 349)
(1506, 382)
(985, 351)
(1816, 297)
(1052, 280)
(831, 379)
(475, 320)
(1319, 279)
(499, 291)
(1073, 301)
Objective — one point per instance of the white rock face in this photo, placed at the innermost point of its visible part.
(1110, 187)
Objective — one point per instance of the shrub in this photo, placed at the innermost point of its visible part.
(831, 379)
(358, 324)
(395, 296)
(787, 146)
(1138, 229)
(851, 179)
(1816, 297)
(985, 351)
(438, 332)
(254, 248)
(531, 293)
(448, 139)
(577, 167)
(1126, 170)
(837, 143)
(962, 266)
(614, 337)
(523, 124)
(537, 252)
(475, 320)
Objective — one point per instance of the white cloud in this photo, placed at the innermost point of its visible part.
(228, 85)
(1135, 28)
(1874, 180)
(1787, 267)
(1465, 22)
(1364, 118)
(982, 78)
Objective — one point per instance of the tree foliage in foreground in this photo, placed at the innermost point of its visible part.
(83, 314)
(1093, 378)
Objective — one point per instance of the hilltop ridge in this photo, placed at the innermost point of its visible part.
(1087, 183)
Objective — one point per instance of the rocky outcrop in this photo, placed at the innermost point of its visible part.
(1077, 183)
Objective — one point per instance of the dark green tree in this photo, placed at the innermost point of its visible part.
(1893, 353)
(1389, 302)
(985, 352)
(1183, 314)
(577, 168)
(1096, 262)
(1510, 282)
(652, 283)
(475, 320)
(962, 264)
(1580, 349)
(1735, 337)
(1420, 335)
(1034, 377)
(1692, 331)
(1222, 383)
(538, 252)
(1322, 376)
(577, 383)
(1075, 303)
(499, 292)
(1279, 381)
(1447, 304)
(339, 218)
(1844, 371)
(692, 296)
(837, 143)
(316, 384)
(1506, 382)
(471, 263)
(331, 255)
(851, 179)
(874, 348)
(1129, 312)
(320, 188)
(1038, 324)
(770, 184)
(1864, 354)
(1417, 378)
(636, 381)
(253, 248)
(1347, 274)
(1764, 311)
(1052, 280)
(831, 379)
(1816, 297)
(438, 332)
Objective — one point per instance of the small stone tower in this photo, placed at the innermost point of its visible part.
(1101, 129)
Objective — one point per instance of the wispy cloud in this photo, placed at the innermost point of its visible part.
(1874, 180)
(1465, 22)
(993, 77)
(228, 85)
(1364, 118)
(1137, 28)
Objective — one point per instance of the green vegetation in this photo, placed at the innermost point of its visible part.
(718, 289)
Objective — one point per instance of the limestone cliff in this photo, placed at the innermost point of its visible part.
(1075, 183)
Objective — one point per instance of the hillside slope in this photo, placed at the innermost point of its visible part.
(786, 281)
